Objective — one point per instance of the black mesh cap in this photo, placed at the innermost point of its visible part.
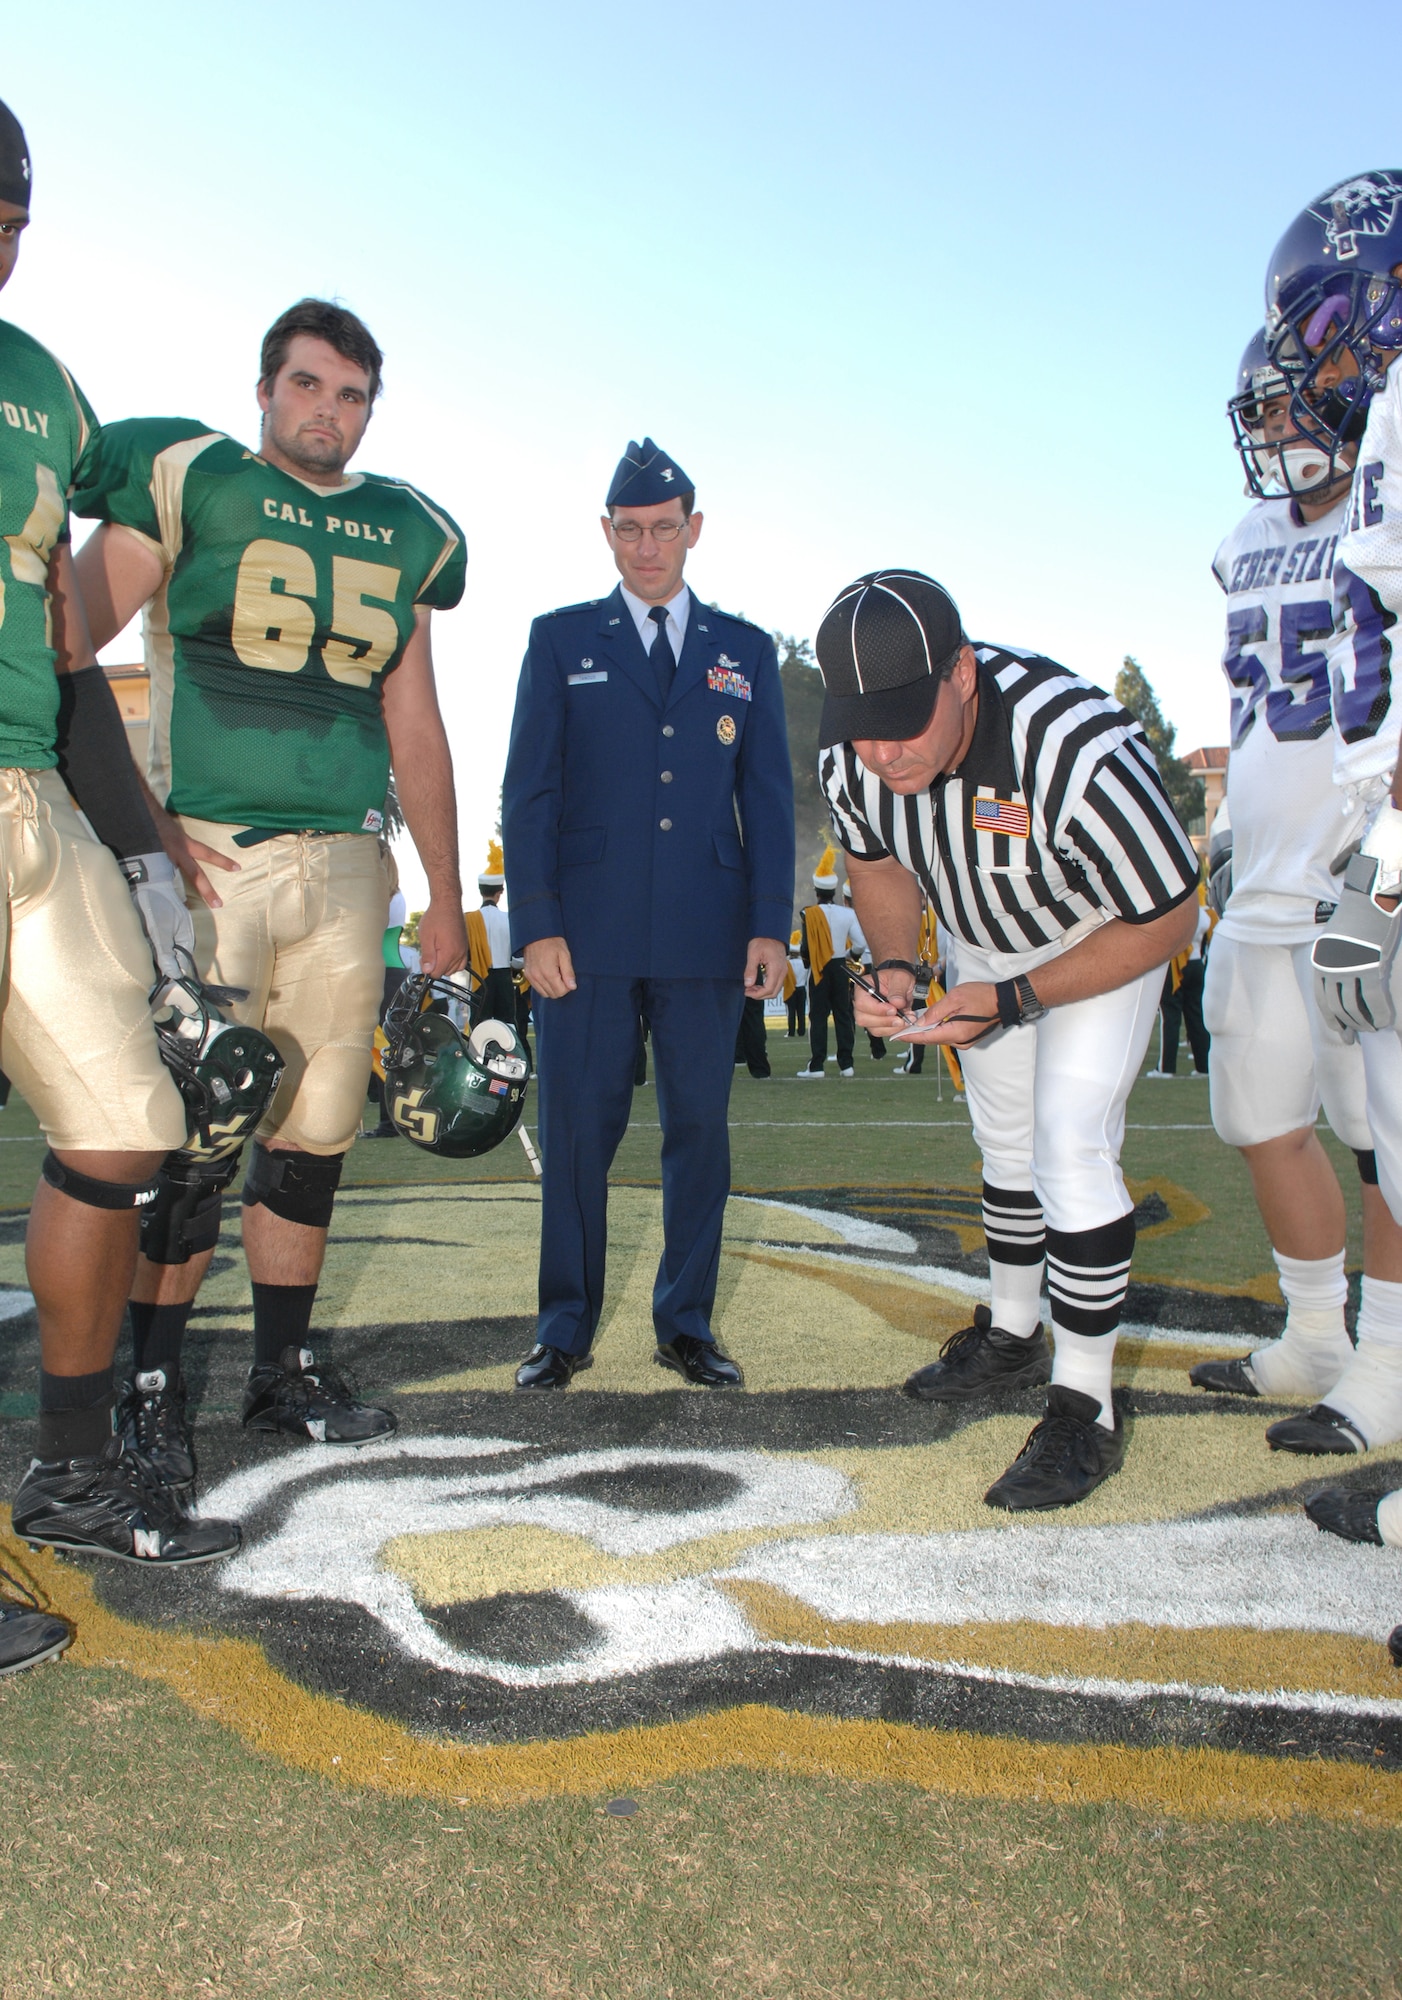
(884, 646)
(15, 176)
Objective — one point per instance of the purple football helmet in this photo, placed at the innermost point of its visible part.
(1334, 305)
(1289, 465)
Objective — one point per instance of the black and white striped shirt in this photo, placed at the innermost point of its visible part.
(1050, 754)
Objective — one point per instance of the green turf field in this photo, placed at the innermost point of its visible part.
(224, 1796)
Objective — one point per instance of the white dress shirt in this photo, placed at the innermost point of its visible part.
(678, 611)
(498, 928)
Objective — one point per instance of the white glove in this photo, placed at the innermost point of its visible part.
(160, 903)
(1383, 843)
(1354, 953)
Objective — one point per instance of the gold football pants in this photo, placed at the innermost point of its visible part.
(75, 1021)
(302, 926)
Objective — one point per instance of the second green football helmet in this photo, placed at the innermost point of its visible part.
(227, 1074)
(453, 1094)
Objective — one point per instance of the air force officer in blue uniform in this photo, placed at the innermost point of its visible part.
(648, 822)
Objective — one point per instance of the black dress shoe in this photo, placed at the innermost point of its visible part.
(701, 1361)
(1224, 1378)
(980, 1359)
(1394, 1645)
(1066, 1457)
(1351, 1515)
(550, 1368)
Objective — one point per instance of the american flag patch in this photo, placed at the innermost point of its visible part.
(725, 680)
(496, 1090)
(1002, 816)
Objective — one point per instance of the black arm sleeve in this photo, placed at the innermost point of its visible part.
(95, 763)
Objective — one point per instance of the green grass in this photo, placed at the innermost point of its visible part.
(147, 1853)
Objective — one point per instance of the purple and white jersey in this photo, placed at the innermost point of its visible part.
(1289, 819)
(1367, 604)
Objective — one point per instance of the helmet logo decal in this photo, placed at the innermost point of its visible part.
(421, 1125)
(1367, 206)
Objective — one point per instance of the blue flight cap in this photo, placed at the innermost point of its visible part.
(646, 477)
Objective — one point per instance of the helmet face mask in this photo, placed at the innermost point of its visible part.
(1295, 465)
(226, 1074)
(1334, 306)
(454, 1095)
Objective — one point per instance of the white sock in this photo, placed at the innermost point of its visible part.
(1390, 1518)
(1314, 1349)
(1017, 1297)
(1084, 1361)
(1369, 1390)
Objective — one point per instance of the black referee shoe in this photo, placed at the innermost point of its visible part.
(980, 1360)
(1352, 1516)
(305, 1398)
(111, 1506)
(1065, 1458)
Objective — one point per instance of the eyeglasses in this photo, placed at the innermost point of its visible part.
(661, 531)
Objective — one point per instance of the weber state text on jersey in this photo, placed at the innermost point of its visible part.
(284, 605)
(45, 423)
(1368, 604)
(1288, 817)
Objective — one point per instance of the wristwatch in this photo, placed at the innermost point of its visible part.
(1017, 1002)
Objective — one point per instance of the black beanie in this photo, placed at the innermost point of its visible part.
(15, 176)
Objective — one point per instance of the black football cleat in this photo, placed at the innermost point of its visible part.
(981, 1360)
(1394, 1645)
(1319, 1433)
(152, 1423)
(700, 1361)
(551, 1368)
(304, 1398)
(1224, 1378)
(29, 1634)
(112, 1506)
(1351, 1515)
(1065, 1457)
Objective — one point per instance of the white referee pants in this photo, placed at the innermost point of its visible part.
(1048, 1100)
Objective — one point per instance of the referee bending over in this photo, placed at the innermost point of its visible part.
(1029, 807)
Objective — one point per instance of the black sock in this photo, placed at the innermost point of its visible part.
(156, 1336)
(282, 1316)
(75, 1414)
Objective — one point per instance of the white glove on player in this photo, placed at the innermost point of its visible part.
(1383, 843)
(160, 903)
(1353, 955)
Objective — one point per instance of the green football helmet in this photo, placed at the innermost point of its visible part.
(226, 1074)
(453, 1094)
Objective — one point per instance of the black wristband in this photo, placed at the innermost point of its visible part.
(1009, 1003)
(95, 762)
(898, 965)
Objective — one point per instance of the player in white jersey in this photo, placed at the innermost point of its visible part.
(1274, 1057)
(1334, 301)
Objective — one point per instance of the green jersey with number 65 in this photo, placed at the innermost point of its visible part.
(284, 606)
(45, 422)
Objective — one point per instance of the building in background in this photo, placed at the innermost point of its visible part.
(1210, 765)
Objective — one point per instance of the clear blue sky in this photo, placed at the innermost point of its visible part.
(958, 288)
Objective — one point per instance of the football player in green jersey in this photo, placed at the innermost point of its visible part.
(76, 1032)
(288, 611)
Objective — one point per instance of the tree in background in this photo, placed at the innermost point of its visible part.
(803, 707)
(1133, 691)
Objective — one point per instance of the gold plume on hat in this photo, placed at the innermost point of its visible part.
(495, 871)
(825, 874)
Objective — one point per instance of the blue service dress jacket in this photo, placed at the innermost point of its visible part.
(657, 840)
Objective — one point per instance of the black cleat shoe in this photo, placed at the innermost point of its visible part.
(112, 1506)
(152, 1424)
(307, 1399)
(28, 1633)
(1394, 1645)
(701, 1361)
(1224, 1378)
(551, 1368)
(1319, 1433)
(1353, 1516)
(980, 1360)
(1066, 1457)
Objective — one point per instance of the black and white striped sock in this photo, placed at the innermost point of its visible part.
(1088, 1276)
(1016, 1235)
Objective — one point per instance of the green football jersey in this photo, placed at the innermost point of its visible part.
(284, 606)
(45, 423)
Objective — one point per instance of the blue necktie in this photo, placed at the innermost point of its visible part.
(664, 663)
